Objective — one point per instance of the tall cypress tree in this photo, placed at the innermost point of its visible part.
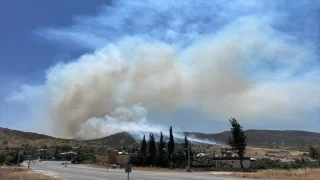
(238, 141)
(186, 142)
(170, 144)
(186, 146)
(143, 149)
(152, 149)
(161, 151)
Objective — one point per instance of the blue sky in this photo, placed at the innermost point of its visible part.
(276, 43)
(25, 56)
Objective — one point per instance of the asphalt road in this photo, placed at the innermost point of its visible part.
(83, 172)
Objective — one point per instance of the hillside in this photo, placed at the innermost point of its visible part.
(13, 139)
(278, 139)
(26, 135)
(118, 140)
(282, 139)
(256, 138)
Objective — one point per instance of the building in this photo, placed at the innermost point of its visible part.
(205, 154)
(112, 157)
(231, 162)
(40, 150)
(227, 159)
(102, 158)
(70, 152)
(123, 158)
(115, 157)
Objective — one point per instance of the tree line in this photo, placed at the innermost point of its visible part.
(9, 156)
(162, 153)
(170, 154)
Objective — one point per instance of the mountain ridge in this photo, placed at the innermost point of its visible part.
(262, 138)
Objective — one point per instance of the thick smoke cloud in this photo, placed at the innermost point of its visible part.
(226, 60)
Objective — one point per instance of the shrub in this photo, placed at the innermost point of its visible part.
(2, 158)
(203, 162)
(267, 163)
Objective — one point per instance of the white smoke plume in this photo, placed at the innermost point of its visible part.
(178, 137)
(244, 68)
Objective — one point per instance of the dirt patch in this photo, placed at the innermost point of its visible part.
(303, 174)
(22, 174)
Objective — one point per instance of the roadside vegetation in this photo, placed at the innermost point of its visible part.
(296, 174)
(11, 157)
(15, 156)
(23, 174)
(266, 163)
(303, 168)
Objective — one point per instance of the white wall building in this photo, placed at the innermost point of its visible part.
(232, 162)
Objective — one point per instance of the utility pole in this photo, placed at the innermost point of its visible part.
(18, 161)
(29, 158)
(29, 162)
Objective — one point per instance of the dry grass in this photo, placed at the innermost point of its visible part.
(22, 174)
(298, 153)
(311, 174)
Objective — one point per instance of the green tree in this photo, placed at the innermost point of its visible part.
(238, 141)
(143, 149)
(152, 149)
(56, 152)
(80, 156)
(186, 146)
(2, 158)
(171, 145)
(161, 151)
(179, 158)
(44, 152)
(65, 148)
(21, 158)
(17, 157)
(9, 159)
(314, 152)
(12, 157)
